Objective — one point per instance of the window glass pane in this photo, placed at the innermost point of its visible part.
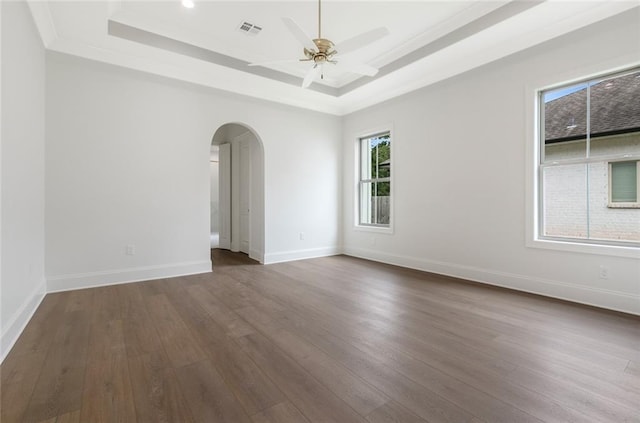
(365, 159)
(564, 201)
(375, 174)
(615, 115)
(375, 205)
(565, 123)
(624, 182)
(380, 197)
(366, 204)
(607, 223)
(380, 147)
(594, 124)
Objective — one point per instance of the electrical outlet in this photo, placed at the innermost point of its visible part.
(301, 236)
(604, 272)
(130, 250)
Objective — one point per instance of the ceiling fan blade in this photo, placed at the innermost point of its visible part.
(311, 75)
(299, 34)
(361, 40)
(356, 67)
(277, 62)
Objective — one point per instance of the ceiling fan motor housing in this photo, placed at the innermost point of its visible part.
(324, 53)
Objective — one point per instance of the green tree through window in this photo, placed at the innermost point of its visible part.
(375, 180)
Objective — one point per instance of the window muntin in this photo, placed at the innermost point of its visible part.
(374, 183)
(585, 129)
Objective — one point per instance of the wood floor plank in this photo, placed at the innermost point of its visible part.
(333, 339)
(465, 368)
(72, 417)
(60, 385)
(107, 393)
(208, 397)
(315, 401)
(464, 395)
(80, 300)
(283, 412)
(567, 393)
(419, 399)
(140, 333)
(491, 407)
(582, 358)
(238, 328)
(392, 412)
(19, 376)
(157, 393)
(249, 384)
(626, 391)
(212, 306)
(178, 342)
(537, 319)
(353, 390)
(252, 388)
(409, 373)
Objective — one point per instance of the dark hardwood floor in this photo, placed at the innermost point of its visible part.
(334, 339)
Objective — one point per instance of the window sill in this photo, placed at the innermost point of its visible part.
(586, 248)
(374, 229)
(623, 205)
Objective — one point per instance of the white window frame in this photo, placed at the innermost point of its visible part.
(532, 91)
(385, 229)
(620, 204)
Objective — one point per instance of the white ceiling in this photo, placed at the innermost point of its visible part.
(428, 41)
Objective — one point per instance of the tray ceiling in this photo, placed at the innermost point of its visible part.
(428, 41)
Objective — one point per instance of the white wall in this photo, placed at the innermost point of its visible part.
(22, 283)
(460, 184)
(128, 164)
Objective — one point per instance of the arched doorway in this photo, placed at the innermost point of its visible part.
(237, 215)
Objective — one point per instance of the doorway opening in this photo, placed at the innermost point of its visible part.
(237, 191)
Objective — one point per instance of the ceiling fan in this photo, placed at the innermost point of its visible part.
(321, 51)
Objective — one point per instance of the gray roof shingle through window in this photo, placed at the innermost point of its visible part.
(615, 109)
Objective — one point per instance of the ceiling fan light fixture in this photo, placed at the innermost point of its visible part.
(322, 50)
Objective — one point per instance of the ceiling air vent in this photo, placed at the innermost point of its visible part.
(249, 28)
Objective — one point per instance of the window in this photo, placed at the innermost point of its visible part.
(624, 185)
(375, 180)
(589, 155)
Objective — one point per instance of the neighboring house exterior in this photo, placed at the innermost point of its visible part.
(578, 201)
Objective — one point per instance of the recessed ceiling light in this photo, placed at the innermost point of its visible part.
(189, 4)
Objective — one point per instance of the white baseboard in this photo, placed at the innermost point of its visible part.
(12, 330)
(114, 277)
(604, 298)
(281, 257)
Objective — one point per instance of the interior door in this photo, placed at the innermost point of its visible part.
(245, 195)
(224, 180)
